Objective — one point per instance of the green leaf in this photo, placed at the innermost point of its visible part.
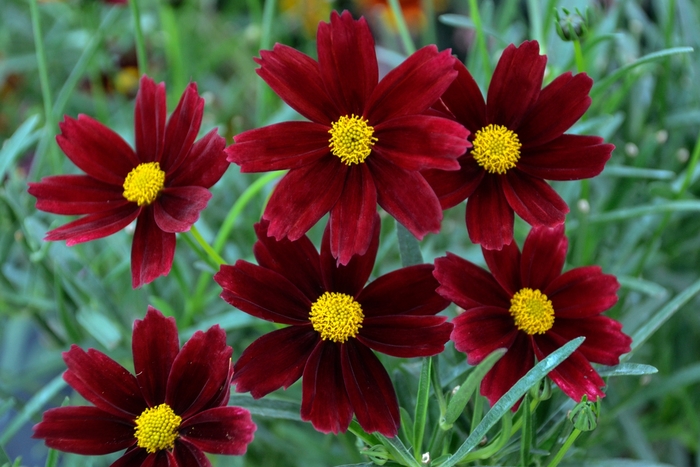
(272, 408)
(639, 211)
(421, 412)
(398, 450)
(465, 22)
(408, 247)
(457, 403)
(21, 139)
(104, 330)
(514, 394)
(627, 369)
(623, 463)
(622, 171)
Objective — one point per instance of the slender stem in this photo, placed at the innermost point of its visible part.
(437, 387)
(268, 17)
(141, 56)
(578, 55)
(565, 447)
(526, 439)
(480, 36)
(213, 255)
(405, 35)
(421, 415)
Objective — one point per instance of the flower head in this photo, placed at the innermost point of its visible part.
(529, 307)
(172, 410)
(333, 324)
(365, 143)
(518, 142)
(163, 184)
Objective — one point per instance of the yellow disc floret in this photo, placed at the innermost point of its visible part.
(336, 316)
(143, 184)
(532, 311)
(496, 149)
(351, 139)
(156, 428)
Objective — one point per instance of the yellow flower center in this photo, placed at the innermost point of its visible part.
(336, 316)
(156, 428)
(143, 183)
(351, 139)
(496, 148)
(532, 311)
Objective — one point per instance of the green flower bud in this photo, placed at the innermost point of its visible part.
(378, 454)
(584, 415)
(571, 26)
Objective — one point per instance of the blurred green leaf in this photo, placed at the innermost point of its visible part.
(627, 369)
(20, 140)
(267, 407)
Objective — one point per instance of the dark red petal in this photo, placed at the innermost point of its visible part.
(296, 78)
(605, 341)
(198, 372)
(155, 345)
(405, 336)
(480, 331)
(162, 458)
(370, 390)
(186, 454)
(149, 120)
(297, 261)
(204, 165)
(465, 101)
(468, 285)
(560, 104)
(454, 186)
(407, 197)
(515, 85)
(489, 217)
(413, 86)
(569, 157)
(347, 62)
(504, 265)
(275, 360)
(104, 382)
(351, 278)
(303, 196)
(75, 194)
(84, 430)
(324, 398)
(582, 293)
(133, 456)
(263, 293)
(406, 291)
(182, 128)
(286, 145)
(574, 376)
(221, 430)
(353, 216)
(533, 199)
(95, 225)
(517, 361)
(151, 252)
(96, 150)
(417, 142)
(544, 254)
(178, 208)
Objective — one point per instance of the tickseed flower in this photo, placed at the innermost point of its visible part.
(365, 143)
(172, 410)
(164, 183)
(518, 142)
(529, 307)
(333, 324)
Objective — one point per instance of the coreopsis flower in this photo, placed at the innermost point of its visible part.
(518, 142)
(365, 144)
(172, 411)
(333, 324)
(529, 307)
(164, 183)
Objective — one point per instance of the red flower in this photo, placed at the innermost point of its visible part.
(164, 183)
(518, 141)
(171, 411)
(365, 143)
(334, 323)
(529, 307)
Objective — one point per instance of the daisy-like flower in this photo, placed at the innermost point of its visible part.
(334, 323)
(365, 144)
(518, 142)
(167, 415)
(164, 183)
(529, 307)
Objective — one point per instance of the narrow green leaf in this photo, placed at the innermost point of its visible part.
(514, 394)
(623, 463)
(4, 458)
(526, 438)
(406, 423)
(408, 247)
(104, 330)
(644, 286)
(398, 450)
(639, 211)
(457, 403)
(622, 171)
(21, 139)
(627, 369)
(272, 408)
(465, 22)
(421, 413)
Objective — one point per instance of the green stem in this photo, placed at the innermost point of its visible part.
(437, 388)
(141, 56)
(526, 438)
(421, 414)
(402, 27)
(213, 255)
(480, 36)
(567, 445)
(578, 55)
(239, 205)
(262, 90)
